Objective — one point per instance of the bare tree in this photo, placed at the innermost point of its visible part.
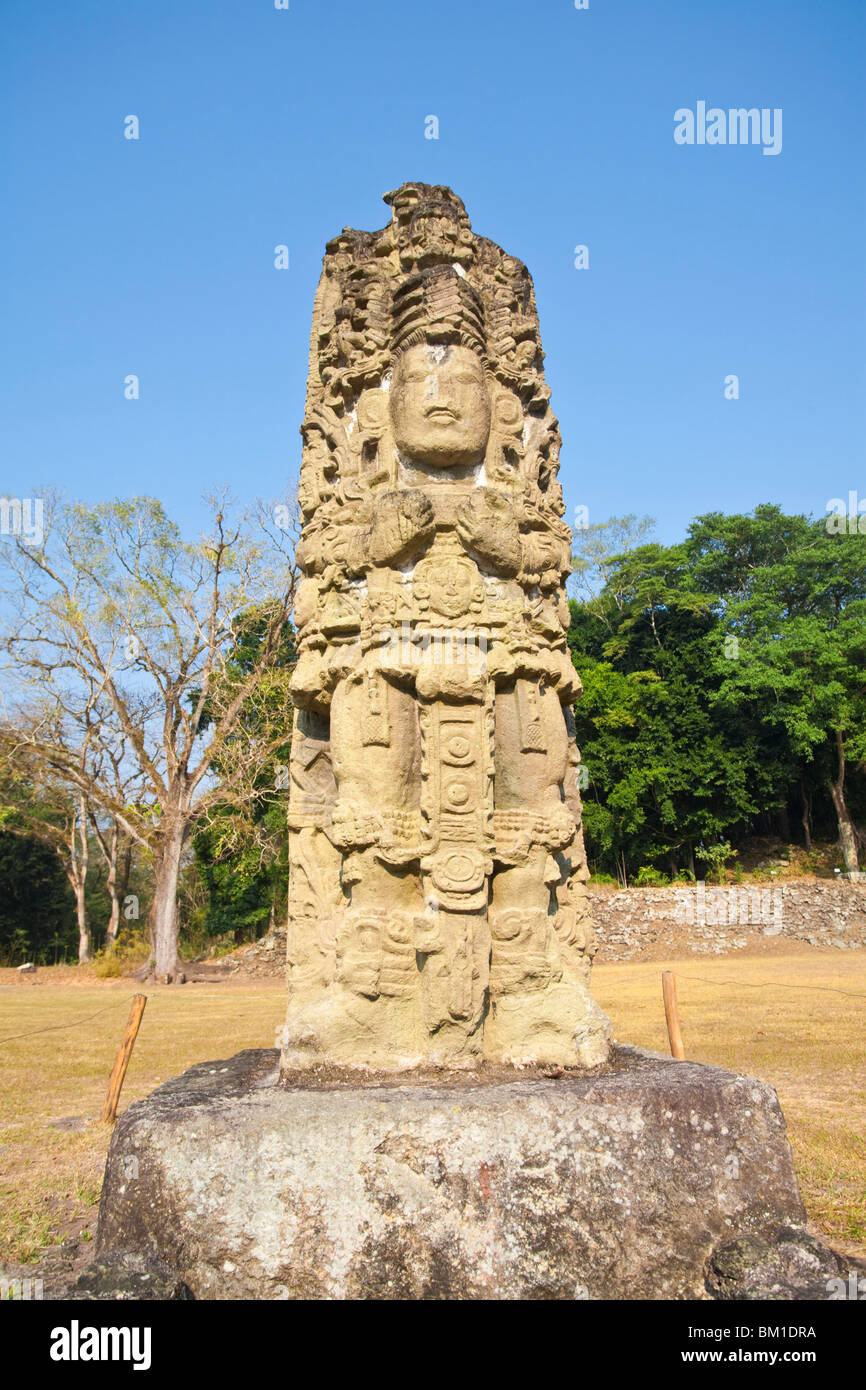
(597, 548)
(129, 633)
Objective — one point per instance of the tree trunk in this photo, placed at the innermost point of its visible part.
(847, 833)
(114, 918)
(126, 870)
(807, 818)
(784, 824)
(83, 932)
(113, 921)
(621, 871)
(77, 875)
(163, 913)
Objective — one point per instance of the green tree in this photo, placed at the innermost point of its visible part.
(792, 605)
(240, 853)
(680, 765)
(37, 908)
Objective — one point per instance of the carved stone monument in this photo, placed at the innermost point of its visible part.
(438, 905)
(412, 1139)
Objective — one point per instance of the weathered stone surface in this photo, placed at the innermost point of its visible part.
(437, 901)
(625, 1183)
(790, 1265)
(128, 1278)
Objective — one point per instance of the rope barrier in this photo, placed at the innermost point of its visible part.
(55, 1027)
(735, 984)
(770, 984)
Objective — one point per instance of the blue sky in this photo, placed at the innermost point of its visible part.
(260, 127)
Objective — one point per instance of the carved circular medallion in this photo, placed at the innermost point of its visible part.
(457, 794)
(460, 868)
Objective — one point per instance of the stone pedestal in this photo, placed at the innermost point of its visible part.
(630, 1182)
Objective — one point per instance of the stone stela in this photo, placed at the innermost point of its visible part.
(438, 908)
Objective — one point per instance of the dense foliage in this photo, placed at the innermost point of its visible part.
(238, 880)
(724, 691)
(37, 909)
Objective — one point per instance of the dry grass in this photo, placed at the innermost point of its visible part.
(809, 1043)
(50, 1178)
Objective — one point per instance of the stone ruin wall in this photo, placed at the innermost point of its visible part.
(630, 921)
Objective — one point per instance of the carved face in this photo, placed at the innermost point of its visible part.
(309, 494)
(449, 587)
(440, 407)
(311, 484)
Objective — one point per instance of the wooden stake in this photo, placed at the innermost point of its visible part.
(121, 1061)
(672, 1016)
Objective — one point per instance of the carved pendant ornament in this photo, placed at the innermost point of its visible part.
(438, 909)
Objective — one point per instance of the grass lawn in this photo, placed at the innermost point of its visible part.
(781, 1018)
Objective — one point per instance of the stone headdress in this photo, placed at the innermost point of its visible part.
(437, 305)
(426, 276)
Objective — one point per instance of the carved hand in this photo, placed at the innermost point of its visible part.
(401, 520)
(488, 525)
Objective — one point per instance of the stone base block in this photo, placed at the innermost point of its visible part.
(629, 1182)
